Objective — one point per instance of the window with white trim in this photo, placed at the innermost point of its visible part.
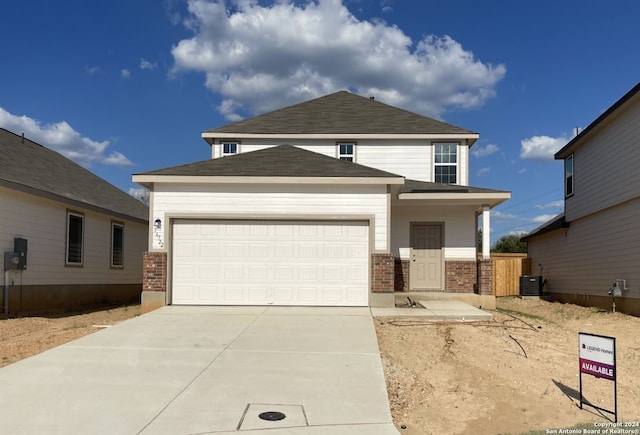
(228, 148)
(117, 245)
(568, 176)
(346, 151)
(446, 163)
(75, 239)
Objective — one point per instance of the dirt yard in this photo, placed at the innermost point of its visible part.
(514, 374)
(511, 375)
(22, 337)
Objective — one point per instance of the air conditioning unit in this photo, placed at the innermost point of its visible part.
(530, 285)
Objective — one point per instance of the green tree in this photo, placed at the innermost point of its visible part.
(510, 243)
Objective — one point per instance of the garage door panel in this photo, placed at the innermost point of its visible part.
(270, 262)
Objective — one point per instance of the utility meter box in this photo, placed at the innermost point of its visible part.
(20, 248)
(11, 261)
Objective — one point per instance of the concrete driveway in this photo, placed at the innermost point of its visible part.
(201, 370)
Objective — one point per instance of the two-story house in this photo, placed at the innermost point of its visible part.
(337, 201)
(593, 248)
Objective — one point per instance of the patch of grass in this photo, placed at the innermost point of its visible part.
(521, 314)
(74, 326)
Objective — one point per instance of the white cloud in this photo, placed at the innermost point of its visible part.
(517, 233)
(259, 58)
(541, 148)
(483, 171)
(502, 217)
(91, 69)
(486, 151)
(145, 64)
(125, 73)
(552, 204)
(387, 5)
(140, 193)
(542, 218)
(63, 138)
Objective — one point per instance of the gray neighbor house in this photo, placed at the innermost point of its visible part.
(74, 238)
(590, 254)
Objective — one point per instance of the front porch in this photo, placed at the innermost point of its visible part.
(468, 281)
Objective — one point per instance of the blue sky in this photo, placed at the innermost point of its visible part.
(126, 86)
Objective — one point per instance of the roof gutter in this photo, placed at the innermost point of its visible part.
(149, 180)
(210, 137)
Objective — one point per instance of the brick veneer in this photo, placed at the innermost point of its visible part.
(460, 276)
(154, 271)
(401, 275)
(485, 277)
(382, 273)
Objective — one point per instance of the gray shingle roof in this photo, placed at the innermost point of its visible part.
(414, 186)
(280, 161)
(33, 168)
(555, 223)
(340, 113)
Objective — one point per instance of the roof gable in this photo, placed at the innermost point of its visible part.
(340, 113)
(574, 143)
(279, 161)
(33, 168)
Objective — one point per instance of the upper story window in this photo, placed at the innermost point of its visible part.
(229, 148)
(446, 163)
(75, 239)
(568, 176)
(346, 151)
(117, 245)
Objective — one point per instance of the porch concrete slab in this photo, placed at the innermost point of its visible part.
(435, 310)
(184, 370)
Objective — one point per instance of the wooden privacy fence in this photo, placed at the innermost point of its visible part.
(507, 269)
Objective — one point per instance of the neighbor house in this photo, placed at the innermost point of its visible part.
(76, 239)
(337, 201)
(590, 254)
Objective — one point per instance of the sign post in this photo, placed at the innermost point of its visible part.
(597, 357)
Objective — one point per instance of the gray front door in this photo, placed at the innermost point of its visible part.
(425, 268)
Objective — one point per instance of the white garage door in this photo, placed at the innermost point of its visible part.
(270, 262)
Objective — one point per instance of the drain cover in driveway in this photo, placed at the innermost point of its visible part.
(268, 415)
(272, 416)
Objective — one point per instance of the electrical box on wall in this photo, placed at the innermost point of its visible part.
(10, 261)
(20, 248)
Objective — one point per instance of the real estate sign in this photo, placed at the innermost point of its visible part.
(597, 355)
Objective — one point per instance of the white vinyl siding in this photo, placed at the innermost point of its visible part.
(245, 201)
(412, 159)
(608, 165)
(43, 223)
(459, 229)
(587, 257)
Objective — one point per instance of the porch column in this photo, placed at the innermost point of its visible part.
(486, 233)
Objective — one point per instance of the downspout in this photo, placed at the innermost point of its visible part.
(5, 298)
